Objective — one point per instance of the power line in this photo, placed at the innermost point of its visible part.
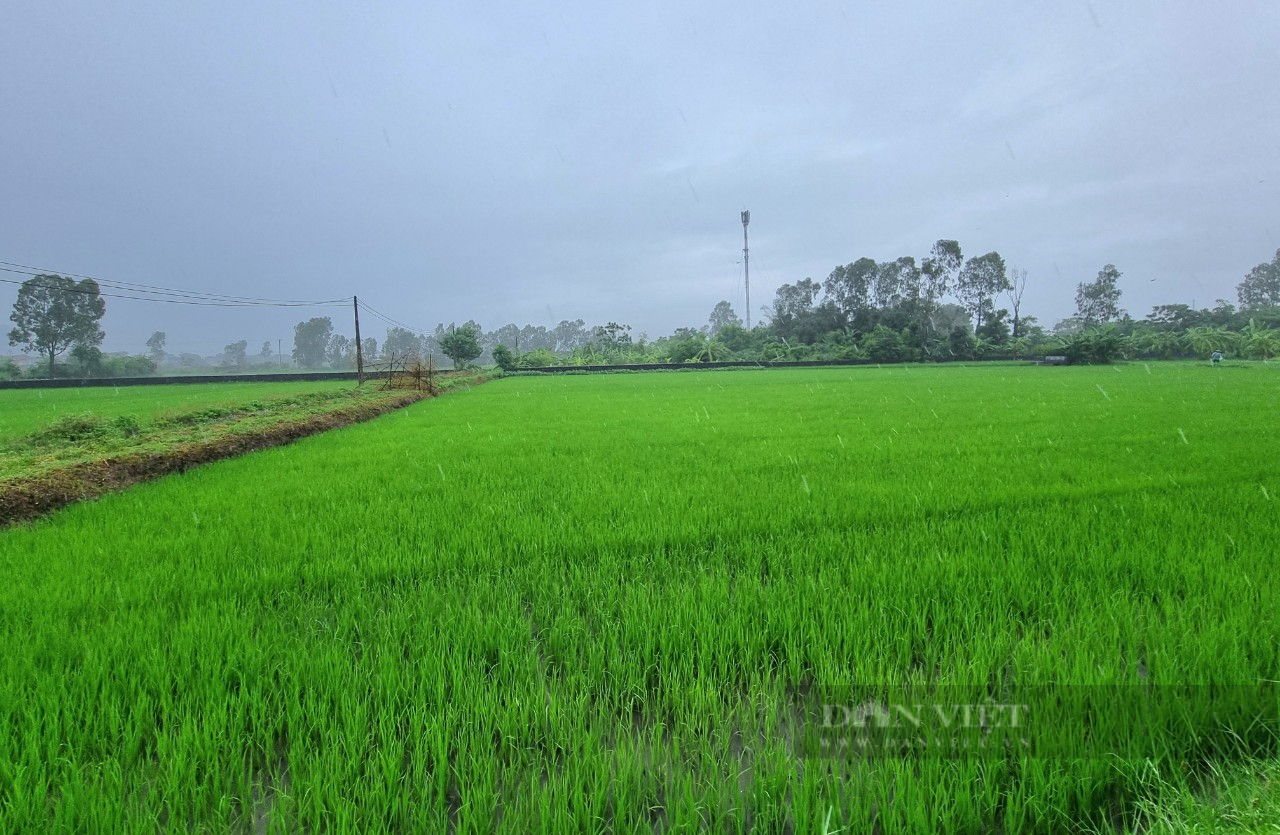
(394, 323)
(182, 296)
(150, 289)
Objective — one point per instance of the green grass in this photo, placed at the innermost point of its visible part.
(25, 410)
(584, 604)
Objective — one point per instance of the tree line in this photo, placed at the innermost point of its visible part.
(937, 308)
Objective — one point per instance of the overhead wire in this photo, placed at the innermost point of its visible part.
(394, 323)
(155, 289)
(187, 297)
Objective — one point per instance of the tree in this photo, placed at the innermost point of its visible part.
(994, 331)
(156, 346)
(790, 302)
(461, 345)
(53, 313)
(569, 335)
(341, 352)
(369, 347)
(1016, 288)
(88, 357)
(937, 274)
(401, 343)
(1098, 302)
(849, 287)
(981, 279)
(311, 341)
(721, 316)
(1261, 287)
(507, 335)
(896, 281)
(613, 337)
(266, 352)
(505, 358)
(961, 343)
(1176, 317)
(234, 354)
(940, 268)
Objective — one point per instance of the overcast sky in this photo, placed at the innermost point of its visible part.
(479, 160)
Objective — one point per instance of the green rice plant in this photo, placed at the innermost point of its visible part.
(607, 603)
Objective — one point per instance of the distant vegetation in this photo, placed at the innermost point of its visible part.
(938, 308)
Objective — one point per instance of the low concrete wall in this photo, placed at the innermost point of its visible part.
(698, 366)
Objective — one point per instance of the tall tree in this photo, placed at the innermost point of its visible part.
(1016, 288)
(401, 343)
(341, 352)
(613, 336)
(461, 345)
(980, 280)
(896, 281)
(793, 300)
(569, 335)
(1261, 287)
(311, 341)
(533, 337)
(53, 312)
(722, 315)
(508, 335)
(1099, 301)
(369, 346)
(155, 345)
(849, 287)
(236, 353)
(937, 274)
(939, 270)
(266, 352)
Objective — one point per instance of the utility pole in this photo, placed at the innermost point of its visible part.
(279, 350)
(355, 305)
(746, 266)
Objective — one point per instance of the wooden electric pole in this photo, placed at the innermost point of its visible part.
(355, 304)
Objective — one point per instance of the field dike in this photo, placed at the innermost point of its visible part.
(24, 498)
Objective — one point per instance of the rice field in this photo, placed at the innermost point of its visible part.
(604, 603)
(23, 410)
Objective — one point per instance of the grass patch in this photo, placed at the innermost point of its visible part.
(82, 456)
(23, 411)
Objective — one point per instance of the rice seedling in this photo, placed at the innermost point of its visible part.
(614, 603)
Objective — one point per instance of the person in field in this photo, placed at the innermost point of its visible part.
(1216, 357)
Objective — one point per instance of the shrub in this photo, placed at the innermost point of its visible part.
(505, 359)
(71, 429)
(1097, 346)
